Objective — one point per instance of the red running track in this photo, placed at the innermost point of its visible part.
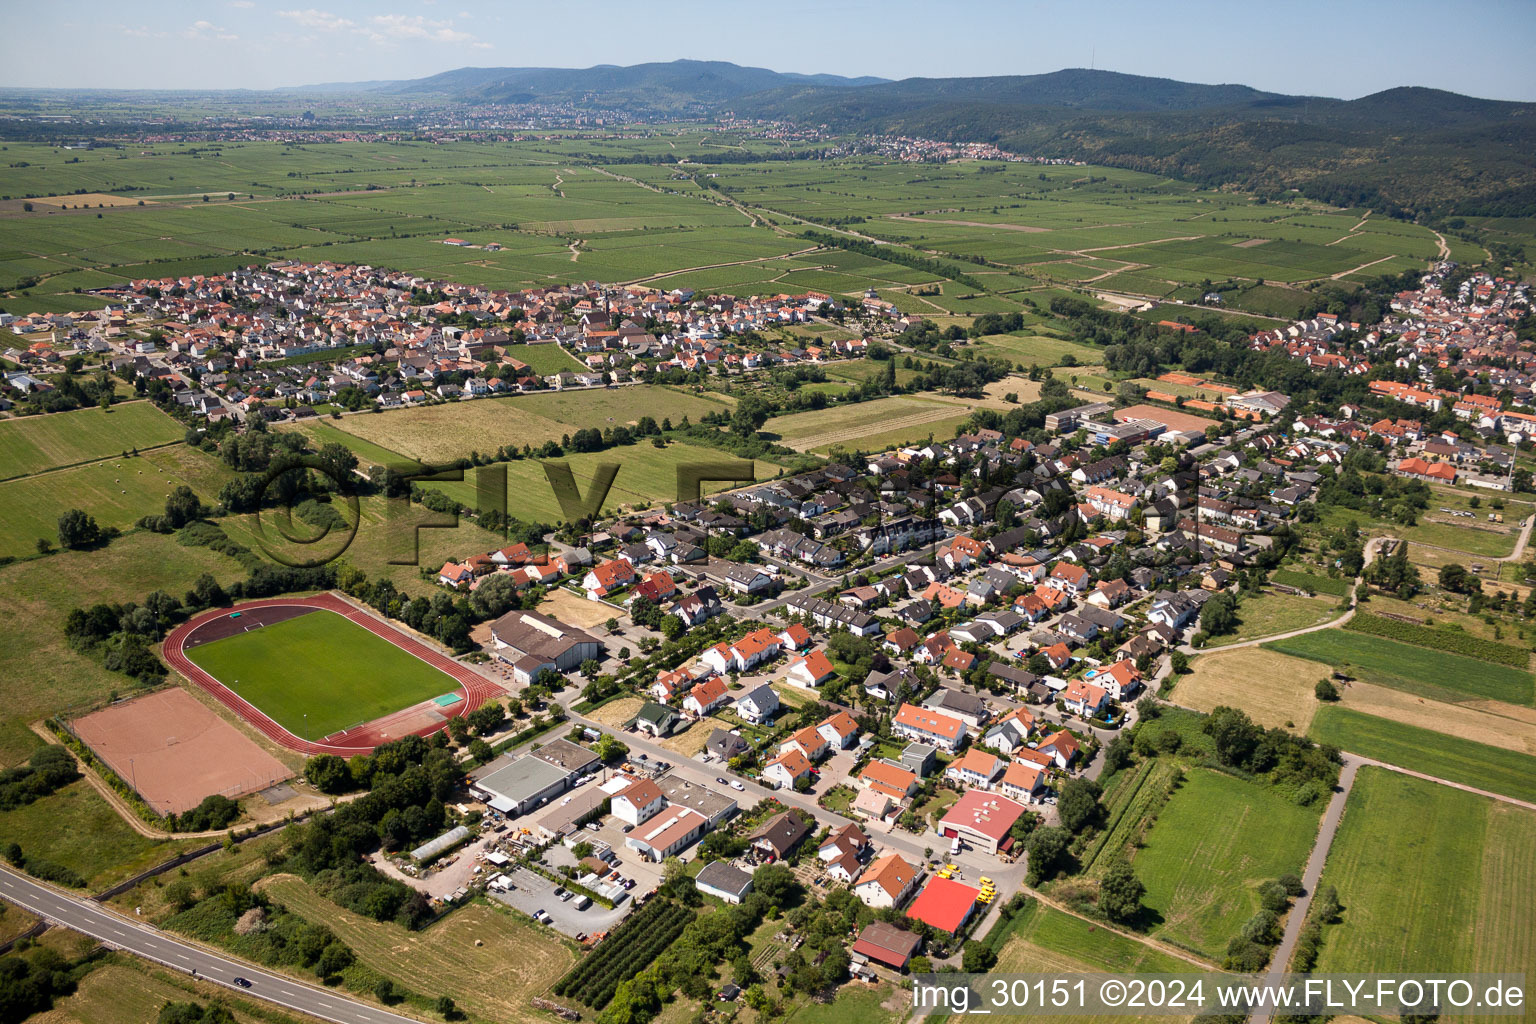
(473, 687)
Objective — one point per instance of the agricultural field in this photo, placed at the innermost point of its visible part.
(1400, 845)
(1273, 612)
(1484, 540)
(1416, 669)
(1331, 586)
(490, 961)
(1028, 349)
(1215, 843)
(1046, 941)
(867, 425)
(1457, 760)
(560, 214)
(1274, 689)
(441, 433)
(126, 991)
(116, 491)
(31, 444)
(348, 676)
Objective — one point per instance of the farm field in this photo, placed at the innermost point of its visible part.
(1274, 689)
(853, 426)
(493, 980)
(320, 673)
(1400, 841)
(1046, 940)
(560, 215)
(1417, 669)
(1216, 841)
(1037, 349)
(1473, 764)
(30, 444)
(1273, 612)
(116, 491)
(441, 433)
(1496, 542)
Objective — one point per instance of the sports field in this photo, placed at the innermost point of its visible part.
(1479, 765)
(1431, 879)
(1217, 840)
(30, 444)
(1418, 669)
(319, 673)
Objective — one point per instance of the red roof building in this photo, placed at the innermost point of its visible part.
(944, 904)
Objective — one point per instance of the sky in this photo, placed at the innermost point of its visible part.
(1343, 48)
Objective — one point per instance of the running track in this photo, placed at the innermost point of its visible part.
(475, 688)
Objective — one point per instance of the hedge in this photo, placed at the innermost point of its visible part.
(1452, 641)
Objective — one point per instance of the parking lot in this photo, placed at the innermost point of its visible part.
(535, 892)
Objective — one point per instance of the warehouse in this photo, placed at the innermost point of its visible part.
(516, 786)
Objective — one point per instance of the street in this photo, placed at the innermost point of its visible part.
(90, 918)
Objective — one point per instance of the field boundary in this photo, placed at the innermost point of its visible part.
(473, 687)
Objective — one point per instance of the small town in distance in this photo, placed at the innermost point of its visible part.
(670, 543)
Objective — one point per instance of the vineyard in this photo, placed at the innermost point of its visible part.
(628, 950)
(1453, 641)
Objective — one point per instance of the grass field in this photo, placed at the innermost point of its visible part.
(1310, 581)
(1217, 840)
(30, 444)
(77, 828)
(1273, 612)
(866, 424)
(854, 1001)
(1471, 764)
(320, 673)
(44, 674)
(1474, 540)
(439, 433)
(1418, 669)
(1048, 941)
(1428, 878)
(118, 492)
(487, 959)
(128, 992)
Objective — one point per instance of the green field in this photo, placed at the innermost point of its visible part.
(31, 444)
(117, 491)
(1445, 757)
(546, 201)
(1431, 879)
(867, 425)
(320, 673)
(1309, 581)
(77, 828)
(1415, 669)
(1273, 612)
(1217, 840)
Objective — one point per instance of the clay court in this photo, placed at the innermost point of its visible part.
(1167, 417)
(175, 751)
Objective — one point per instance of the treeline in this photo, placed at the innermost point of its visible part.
(1305, 771)
(892, 254)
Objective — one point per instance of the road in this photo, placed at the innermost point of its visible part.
(92, 919)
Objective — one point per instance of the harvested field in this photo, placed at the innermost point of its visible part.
(848, 425)
(1272, 688)
(175, 751)
(576, 610)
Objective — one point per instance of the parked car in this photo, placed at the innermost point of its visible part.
(721, 781)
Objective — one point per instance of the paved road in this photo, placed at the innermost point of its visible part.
(1309, 879)
(92, 919)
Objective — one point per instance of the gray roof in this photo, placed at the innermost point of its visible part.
(721, 877)
(520, 778)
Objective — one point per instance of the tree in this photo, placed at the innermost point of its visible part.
(1047, 853)
(480, 750)
(610, 748)
(78, 530)
(1219, 615)
(1120, 893)
(1179, 662)
(446, 1007)
(1078, 803)
(977, 957)
(1325, 690)
(328, 773)
(590, 668)
(1457, 580)
(1235, 734)
(181, 507)
(673, 627)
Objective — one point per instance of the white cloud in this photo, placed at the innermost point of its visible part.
(203, 29)
(323, 21)
(385, 27)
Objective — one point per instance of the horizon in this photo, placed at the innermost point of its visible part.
(242, 45)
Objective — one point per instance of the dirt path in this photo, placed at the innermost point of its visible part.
(1445, 250)
(1358, 225)
(556, 186)
(967, 223)
(1309, 879)
(1443, 782)
(575, 248)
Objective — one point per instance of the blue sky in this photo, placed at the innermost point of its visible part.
(1346, 48)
